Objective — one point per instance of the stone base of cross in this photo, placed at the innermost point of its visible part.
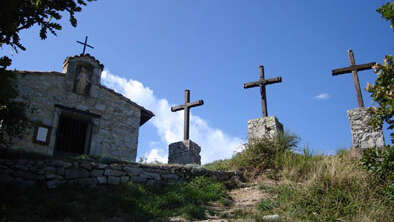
(184, 152)
(363, 135)
(263, 128)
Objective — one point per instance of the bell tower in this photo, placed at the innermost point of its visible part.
(83, 73)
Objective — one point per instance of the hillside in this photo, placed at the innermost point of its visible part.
(278, 185)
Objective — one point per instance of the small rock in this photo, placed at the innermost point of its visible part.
(271, 218)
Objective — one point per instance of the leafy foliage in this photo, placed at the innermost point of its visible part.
(15, 16)
(379, 162)
(18, 15)
(383, 93)
(13, 120)
(387, 12)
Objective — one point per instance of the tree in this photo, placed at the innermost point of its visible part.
(382, 91)
(16, 16)
(13, 120)
(387, 12)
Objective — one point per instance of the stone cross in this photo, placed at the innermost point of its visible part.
(353, 68)
(84, 45)
(262, 83)
(186, 107)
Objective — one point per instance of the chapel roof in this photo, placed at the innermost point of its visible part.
(145, 113)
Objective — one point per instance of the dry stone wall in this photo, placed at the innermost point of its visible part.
(363, 135)
(92, 173)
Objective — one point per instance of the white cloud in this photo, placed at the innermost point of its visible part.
(155, 156)
(322, 96)
(215, 144)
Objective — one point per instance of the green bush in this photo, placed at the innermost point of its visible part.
(379, 162)
(262, 154)
(129, 202)
(219, 165)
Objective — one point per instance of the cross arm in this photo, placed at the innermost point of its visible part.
(85, 44)
(273, 80)
(251, 84)
(351, 68)
(197, 103)
(177, 108)
(265, 82)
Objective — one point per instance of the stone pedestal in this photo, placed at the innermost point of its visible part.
(184, 152)
(363, 135)
(266, 127)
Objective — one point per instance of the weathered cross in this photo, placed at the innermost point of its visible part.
(262, 83)
(85, 44)
(353, 68)
(186, 107)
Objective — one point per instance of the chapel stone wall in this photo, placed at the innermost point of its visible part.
(114, 134)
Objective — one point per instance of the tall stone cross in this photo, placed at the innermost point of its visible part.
(353, 68)
(186, 107)
(262, 83)
(85, 44)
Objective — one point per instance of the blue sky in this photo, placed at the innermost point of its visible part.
(154, 49)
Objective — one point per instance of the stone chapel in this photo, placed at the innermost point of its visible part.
(72, 113)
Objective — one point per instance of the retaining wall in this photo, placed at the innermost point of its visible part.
(73, 171)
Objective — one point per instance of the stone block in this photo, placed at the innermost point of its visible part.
(50, 170)
(170, 176)
(124, 179)
(53, 183)
(96, 173)
(184, 152)
(102, 180)
(87, 181)
(5, 178)
(76, 173)
(266, 127)
(113, 180)
(53, 176)
(60, 171)
(60, 163)
(363, 135)
(109, 172)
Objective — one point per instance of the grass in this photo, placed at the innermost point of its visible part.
(131, 202)
(317, 187)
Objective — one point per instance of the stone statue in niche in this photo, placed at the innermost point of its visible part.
(82, 81)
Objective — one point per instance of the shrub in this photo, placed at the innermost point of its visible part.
(379, 162)
(262, 154)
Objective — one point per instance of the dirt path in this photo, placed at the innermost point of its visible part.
(243, 199)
